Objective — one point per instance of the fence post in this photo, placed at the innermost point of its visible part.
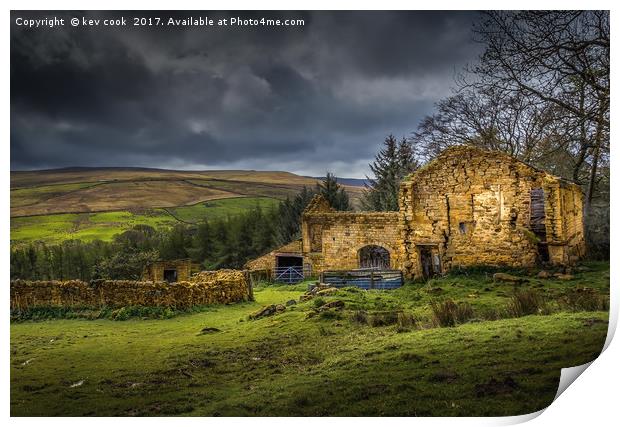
(249, 281)
(372, 280)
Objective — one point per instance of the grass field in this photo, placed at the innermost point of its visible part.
(303, 363)
(85, 227)
(220, 209)
(21, 197)
(120, 196)
(104, 225)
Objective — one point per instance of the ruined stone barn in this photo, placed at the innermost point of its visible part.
(465, 208)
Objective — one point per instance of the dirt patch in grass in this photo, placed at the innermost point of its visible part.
(495, 387)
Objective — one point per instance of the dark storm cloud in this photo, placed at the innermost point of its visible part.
(304, 99)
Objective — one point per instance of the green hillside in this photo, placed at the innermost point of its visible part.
(56, 228)
(97, 203)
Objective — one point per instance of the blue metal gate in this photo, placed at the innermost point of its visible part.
(288, 274)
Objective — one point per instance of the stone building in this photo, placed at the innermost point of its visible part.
(289, 255)
(169, 271)
(467, 207)
(333, 240)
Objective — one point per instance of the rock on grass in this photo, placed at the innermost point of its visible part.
(268, 310)
(508, 278)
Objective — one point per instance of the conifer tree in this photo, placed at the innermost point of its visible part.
(393, 162)
(289, 215)
(334, 193)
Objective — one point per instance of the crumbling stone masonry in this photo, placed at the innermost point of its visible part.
(474, 207)
(467, 207)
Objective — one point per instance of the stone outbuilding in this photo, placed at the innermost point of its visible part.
(289, 255)
(467, 207)
(178, 270)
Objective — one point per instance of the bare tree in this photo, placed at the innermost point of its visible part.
(560, 58)
(483, 117)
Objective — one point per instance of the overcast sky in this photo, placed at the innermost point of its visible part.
(305, 99)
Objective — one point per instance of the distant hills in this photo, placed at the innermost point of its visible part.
(91, 203)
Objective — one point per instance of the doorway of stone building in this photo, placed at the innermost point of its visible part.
(426, 261)
(170, 275)
(429, 261)
(373, 256)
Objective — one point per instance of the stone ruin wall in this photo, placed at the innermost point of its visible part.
(332, 240)
(473, 207)
(204, 288)
(568, 244)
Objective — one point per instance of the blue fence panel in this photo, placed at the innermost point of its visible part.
(364, 279)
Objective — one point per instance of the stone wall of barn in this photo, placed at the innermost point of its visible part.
(467, 207)
(332, 240)
(473, 207)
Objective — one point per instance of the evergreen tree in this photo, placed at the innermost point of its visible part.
(289, 216)
(203, 247)
(393, 162)
(406, 159)
(223, 245)
(264, 232)
(334, 193)
(175, 243)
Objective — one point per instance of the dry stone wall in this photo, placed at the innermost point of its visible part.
(213, 287)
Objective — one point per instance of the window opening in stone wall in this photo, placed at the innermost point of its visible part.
(537, 213)
(170, 275)
(466, 227)
(316, 238)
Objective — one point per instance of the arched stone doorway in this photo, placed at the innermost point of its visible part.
(374, 256)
